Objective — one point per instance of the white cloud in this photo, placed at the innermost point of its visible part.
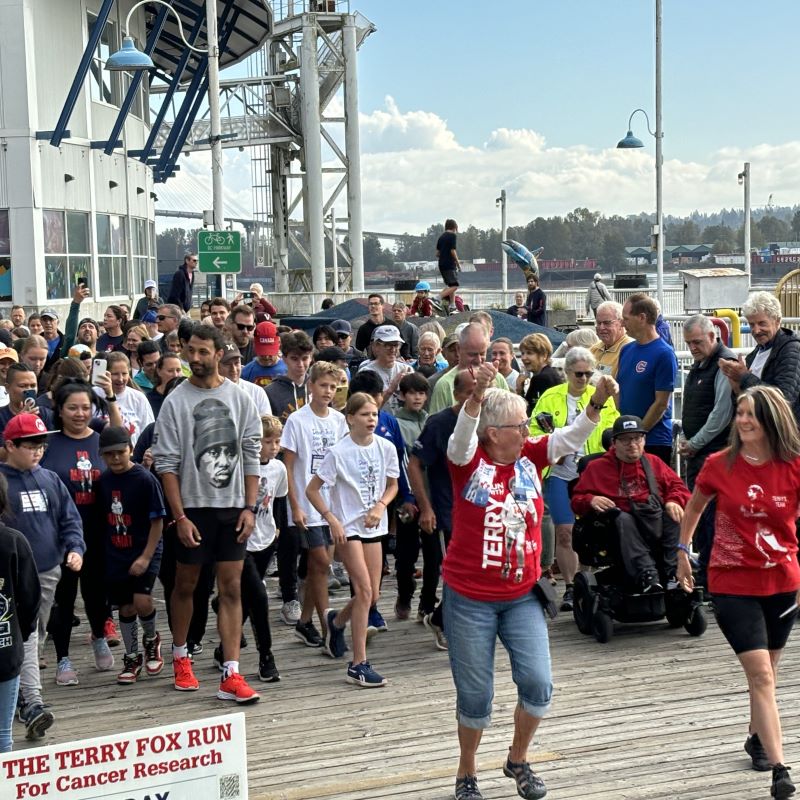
(415, 172)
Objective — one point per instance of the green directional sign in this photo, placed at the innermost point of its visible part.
(219, 252)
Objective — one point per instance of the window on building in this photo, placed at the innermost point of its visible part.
(67, 250)
(105, 85)
(112, 254)
(143, 264)
(5, 256)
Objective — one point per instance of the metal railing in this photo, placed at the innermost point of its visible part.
(305, 303)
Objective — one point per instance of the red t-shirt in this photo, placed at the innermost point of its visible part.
(755, 543)
(496, 545)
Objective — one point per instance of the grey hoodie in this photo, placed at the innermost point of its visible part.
(211, 439)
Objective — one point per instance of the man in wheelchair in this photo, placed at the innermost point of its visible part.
(633, 501)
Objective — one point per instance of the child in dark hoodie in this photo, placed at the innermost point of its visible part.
(41, 508)
(287, 392)
(19, 605)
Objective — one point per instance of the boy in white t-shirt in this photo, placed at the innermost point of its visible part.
(309, 434)
(273, 487)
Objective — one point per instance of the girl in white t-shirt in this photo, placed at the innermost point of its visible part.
(361, 471)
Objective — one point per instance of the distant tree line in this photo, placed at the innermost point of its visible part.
(579, 234)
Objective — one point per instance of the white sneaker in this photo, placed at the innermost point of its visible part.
(290, 613)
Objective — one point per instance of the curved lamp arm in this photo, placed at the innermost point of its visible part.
(180, 24)
(633, 113)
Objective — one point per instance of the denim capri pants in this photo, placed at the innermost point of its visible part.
(472, 628)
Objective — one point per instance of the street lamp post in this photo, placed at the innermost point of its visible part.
(630, 141)
(129, 59)
(744, 179)
(501, 202)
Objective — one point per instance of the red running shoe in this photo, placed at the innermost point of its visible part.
(185, 680)
(235, 687)
(111, 633)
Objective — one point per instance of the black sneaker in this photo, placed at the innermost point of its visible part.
(648, 582)
(37, 720)
(757, 753)
(219, 658)
(194, 649)
(782, 786)
(308, 634)
(568, 598)
(529, 785)
(267, 671)
(467, 788)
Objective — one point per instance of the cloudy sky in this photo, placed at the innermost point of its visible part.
(461, 99)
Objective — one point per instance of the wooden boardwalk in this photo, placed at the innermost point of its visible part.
(654, 714)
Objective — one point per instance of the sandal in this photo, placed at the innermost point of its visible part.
(529, 785)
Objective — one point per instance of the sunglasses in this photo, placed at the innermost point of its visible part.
(162, 317)
(242, 327)
(584, 374)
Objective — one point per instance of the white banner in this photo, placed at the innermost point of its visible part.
(198, 760)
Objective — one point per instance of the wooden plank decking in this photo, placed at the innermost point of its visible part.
(652, 714)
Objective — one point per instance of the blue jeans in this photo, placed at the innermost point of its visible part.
(472, 628)
(8, 704)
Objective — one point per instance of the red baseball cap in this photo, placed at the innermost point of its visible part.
(25, 426)
(266, 341)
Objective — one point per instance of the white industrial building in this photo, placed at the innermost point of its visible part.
(83, 149)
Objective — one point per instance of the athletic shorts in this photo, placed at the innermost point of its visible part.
(556, 495)
(356, 537)
(449, 276)
(120, 592)
(755, 623)
(218, 535)
(315, 536)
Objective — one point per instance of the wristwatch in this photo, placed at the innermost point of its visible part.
(253, 508)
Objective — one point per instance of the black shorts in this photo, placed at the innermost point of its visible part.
(449, 276)
(218, 534)
(120, 592)
(755, 623)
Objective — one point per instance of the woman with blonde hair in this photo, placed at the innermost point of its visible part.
(753, 574)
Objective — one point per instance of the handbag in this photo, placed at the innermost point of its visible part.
(545, 593)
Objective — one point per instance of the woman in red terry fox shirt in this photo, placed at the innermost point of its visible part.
(492, 564)
(753, 572)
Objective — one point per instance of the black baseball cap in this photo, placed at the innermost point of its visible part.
(114, 438)
(627, 424)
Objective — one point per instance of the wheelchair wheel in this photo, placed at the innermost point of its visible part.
(602, 627)
(582, 603)
(697, 624)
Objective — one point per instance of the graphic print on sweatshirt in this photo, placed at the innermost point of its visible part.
(6, 639)
(215, 442)
(120, 521)
(33, 501)
(83, 475)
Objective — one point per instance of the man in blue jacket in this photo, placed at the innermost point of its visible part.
(41, 508)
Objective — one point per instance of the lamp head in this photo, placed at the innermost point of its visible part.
(129, 58)
(630, 141)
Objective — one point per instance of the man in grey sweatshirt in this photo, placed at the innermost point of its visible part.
(206, 448)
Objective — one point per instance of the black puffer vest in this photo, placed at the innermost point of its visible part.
(698, 398)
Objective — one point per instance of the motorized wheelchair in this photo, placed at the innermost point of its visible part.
(607, 594)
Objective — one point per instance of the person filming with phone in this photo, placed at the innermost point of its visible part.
(776, 358)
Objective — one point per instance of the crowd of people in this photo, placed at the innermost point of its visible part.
(211, 454)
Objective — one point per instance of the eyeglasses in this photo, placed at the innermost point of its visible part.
(34, 448)
(601, 322)
(522, 427)
(584, 374)
(162, 317)
(242, 327)
(193, 260)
